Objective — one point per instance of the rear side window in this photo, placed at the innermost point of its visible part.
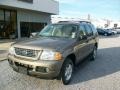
(88, 30)
(93, 28)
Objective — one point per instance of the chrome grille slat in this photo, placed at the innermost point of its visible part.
(26, 52)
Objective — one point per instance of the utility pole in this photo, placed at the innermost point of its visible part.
(89, 17)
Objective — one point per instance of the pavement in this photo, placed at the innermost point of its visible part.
(3, 55)
(101, 74)
(4, 46)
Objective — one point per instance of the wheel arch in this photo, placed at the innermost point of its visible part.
(72, 57)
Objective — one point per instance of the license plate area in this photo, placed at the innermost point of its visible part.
(23, 69)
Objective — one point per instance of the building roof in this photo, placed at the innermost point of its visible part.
(47, 6)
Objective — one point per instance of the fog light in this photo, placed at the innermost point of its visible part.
(41, 69)
(47, 70)
(10, 62)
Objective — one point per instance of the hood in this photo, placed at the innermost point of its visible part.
(46, 43)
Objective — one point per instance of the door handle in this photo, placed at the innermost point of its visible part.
(87, 41)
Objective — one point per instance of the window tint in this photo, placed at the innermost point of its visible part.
(93, 28)
(69, 30)
(1, 15)
(7, 15)
(88, 30)
(82, 30)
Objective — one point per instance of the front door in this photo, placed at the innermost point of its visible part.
(81, 47)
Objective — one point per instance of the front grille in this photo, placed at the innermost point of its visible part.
(26, 52)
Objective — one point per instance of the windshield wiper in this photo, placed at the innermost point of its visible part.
(41, 35)
(55, 36)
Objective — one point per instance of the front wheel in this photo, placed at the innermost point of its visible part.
(67, 71)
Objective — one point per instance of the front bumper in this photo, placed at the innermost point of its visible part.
(39, 68)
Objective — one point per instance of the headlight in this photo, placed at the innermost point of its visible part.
(50, 55)
(11, 50)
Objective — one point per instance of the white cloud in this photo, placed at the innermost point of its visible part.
(73, 14)
(68, 1)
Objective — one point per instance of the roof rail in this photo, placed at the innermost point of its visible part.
(84, 21)
(63, 21)
(75, 21)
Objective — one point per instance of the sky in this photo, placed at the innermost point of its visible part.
(102, 9)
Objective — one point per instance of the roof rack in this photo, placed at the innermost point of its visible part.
(84, 21)
(74, 22)
(64, 21)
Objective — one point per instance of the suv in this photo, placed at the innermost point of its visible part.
(55, 51)
(105, 32)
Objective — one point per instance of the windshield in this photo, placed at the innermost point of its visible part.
(58, 30)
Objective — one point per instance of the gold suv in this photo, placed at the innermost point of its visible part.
(54, 51)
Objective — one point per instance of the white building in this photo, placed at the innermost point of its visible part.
(114, 24)
(21, 17)
(99, 23)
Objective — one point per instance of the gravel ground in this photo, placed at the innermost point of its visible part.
(3, 54)
(102, 74)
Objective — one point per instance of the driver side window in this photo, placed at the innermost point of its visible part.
(82, 31)
(69, 31)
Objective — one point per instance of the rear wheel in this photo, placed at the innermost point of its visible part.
(94, 54)
(67, 71)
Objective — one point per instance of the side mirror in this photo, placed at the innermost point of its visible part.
(32, 35)
(82, 37)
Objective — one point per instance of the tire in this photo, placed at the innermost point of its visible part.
(105, 34)
(67, 71)
(94, 54)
